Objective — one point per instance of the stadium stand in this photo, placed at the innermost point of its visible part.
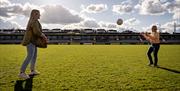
(87, 36)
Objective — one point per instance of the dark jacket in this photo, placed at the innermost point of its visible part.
(32, 33)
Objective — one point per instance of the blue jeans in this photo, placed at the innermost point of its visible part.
(31, 57)
(153, 48)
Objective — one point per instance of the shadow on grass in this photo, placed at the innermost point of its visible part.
(24, 85)
(171, 70)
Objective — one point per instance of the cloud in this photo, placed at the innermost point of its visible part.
(107, 25)
(50, 14)
(90, 24)
(176, 14)
(159, 7)
(132, 22)
(51, 26)
(94, 8)
(27, 7)
(57, 14)
(9, 10)
(169, 27)
(175, 9)
(4, 2)
(5, 24)
(123, 8)
(148, 28)
(151, 7)
(166, 27)
(178, 2)
(93, 24)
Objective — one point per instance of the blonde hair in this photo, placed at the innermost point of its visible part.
(33, 14)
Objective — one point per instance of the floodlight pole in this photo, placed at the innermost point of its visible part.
(174, 27)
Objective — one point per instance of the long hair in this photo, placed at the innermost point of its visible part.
(33, 14)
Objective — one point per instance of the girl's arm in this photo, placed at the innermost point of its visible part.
(151, 37)
(145, 36)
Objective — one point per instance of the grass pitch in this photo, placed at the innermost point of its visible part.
(91, 68)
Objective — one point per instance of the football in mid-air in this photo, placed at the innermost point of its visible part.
(119, 21)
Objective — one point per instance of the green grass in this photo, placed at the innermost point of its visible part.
(92, 68)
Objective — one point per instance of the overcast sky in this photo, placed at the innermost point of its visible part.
(138, 15)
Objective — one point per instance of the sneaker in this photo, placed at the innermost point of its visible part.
(34, 73)
(24, 76)
(150, 64)
(156, 66)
